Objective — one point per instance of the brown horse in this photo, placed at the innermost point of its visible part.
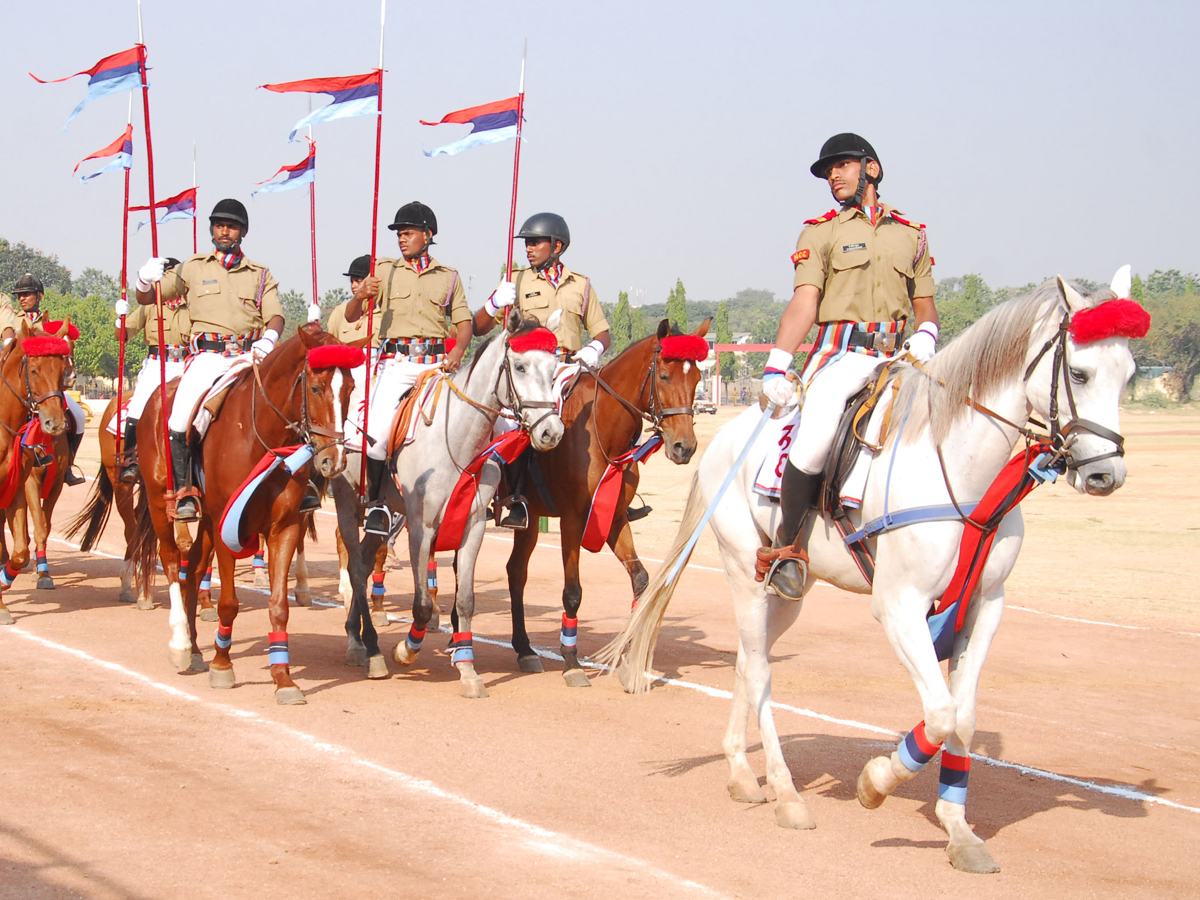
(283, 401)
(34, 370)
(603, 418)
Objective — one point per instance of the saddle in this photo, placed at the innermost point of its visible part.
(404, 422)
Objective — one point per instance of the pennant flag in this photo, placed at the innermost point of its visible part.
(121, 150)
(181, 206)
(490, 124)
(299, 174)
(353, 95)
(119, 72)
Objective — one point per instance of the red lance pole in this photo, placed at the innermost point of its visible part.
(312, 222)
(121, 325)
(512, 213)
(362, 475)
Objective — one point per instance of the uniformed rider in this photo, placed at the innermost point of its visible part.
(547, 285)
(862, 272)
(417, 295)
(29, 291)
(234, 310)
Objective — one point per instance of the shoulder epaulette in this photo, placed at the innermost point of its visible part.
(832, 214)
(908, 223)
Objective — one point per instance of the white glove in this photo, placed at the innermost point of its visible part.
(264, 344)
(503, 297)
(314, 313)
(590, 355)
(776, 386)
(923, 344)
(122, 307)
(151, 272)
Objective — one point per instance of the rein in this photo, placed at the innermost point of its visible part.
(304, 428)
(29, 401)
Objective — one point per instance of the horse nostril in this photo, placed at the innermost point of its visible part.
(1101, 482)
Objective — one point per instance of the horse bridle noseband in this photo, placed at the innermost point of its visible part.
(29, 401)
(516, 404)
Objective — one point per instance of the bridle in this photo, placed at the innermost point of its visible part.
(515, 401)
(304, 429)
(30, 401)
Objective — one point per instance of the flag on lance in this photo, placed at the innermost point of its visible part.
(295, 176)
(181, 206)
(490, 123)
(353, 95)
(113, 74)
(120, 150)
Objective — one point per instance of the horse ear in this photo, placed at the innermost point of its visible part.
(704, 326)
(1071, 297)
(64, 330)
(26, 331)
(512, 323)
(664, 328)
(308, 337)
(555, 320)
(1122, 282)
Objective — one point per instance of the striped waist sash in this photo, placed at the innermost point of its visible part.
(836, 339)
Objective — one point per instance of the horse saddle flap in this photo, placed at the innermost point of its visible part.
(421, 398)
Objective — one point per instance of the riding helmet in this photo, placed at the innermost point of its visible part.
(28, 284)
(547, 225)
(231, 211)
(841, 146)
(360, 268)
(415, 214)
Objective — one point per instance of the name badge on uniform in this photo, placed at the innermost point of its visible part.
(850, 248)
(533, 294)
(209, 281)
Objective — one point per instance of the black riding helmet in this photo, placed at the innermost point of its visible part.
(415, 215)
(231, 210)
(29, 284)
(360, 268)
(547, 225)
(853, 146)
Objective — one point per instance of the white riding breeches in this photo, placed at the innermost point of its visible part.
(824, 402)
(396, 375)
(200, 372)
(77, 415)
(147, 383)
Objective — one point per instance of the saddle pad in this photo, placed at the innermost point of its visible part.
(118, 421)
(215, 397)
(421, 397)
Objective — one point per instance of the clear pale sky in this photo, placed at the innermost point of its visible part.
(1033, 138)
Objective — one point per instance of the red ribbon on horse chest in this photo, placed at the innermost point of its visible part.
(454, 518)
(608, 492)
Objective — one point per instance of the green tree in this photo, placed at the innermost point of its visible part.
(295, 311)
(637, 324)
(94, 283)
(333, 298)
(96, 351)
(726, 362)
(1138, 289)
(677, 306)
(960, 301)
(17, 259)
(620, 324)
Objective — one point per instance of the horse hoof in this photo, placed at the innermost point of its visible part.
(181, 660)
(794, 815)
(746, 791)
(145, 603)
(379, 619)
(530, 665)
(290, 696)
(973, 858)
(198, 664)
(261, 581)
(472, 688)
(127, 596)
(356, 656)
(402, 656)
(868, 795)
(377, 667)
(45, 583)
(6, 617)
(221, 679)
(576, 678)
(303, 598)
(209, 615)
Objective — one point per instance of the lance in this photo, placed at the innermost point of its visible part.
(512, 213)
(121, 337)
(315, 306)
(195, 203)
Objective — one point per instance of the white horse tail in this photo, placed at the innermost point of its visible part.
(641, 634)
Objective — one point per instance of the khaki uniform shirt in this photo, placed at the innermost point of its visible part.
(220, 300)
(11, 316)
(416, 306)
(8, 318)
(177, 325)
(537, 297)
(352, 332)
(865, 273)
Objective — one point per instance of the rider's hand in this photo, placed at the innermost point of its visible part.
(923, 344)
(122, 307)
(454, 359)
(151, 272)
(590, 355)
(777, 387)
(368, 288)
(264, 344)
(503, 297)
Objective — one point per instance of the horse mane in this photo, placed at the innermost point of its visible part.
(528, 324)
(985, 356)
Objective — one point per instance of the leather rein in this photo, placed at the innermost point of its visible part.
(29, 401)
(304, 428)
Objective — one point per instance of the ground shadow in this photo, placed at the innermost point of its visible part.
(41, 870)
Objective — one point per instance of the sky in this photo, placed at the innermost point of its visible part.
(1032, 138)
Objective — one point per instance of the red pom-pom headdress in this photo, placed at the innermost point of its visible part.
(689, 347)
(336, 356)
(1116, 318)
(53, 327)
(538, 339)
(45, 346)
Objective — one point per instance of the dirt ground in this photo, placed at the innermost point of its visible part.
(124, 779)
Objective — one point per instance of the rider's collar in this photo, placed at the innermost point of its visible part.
(553, 272)
(419, 264)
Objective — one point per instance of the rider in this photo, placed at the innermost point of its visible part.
(547, 285)
(176, 328)
(419, 293)
(353, 332)
(29, 292)
(861, 271)
(234, 308)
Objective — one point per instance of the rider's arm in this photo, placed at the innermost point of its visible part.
(368, 288)
(463, 343)
(799, 318)
(604, 338)
(482, 323)
(925, 311)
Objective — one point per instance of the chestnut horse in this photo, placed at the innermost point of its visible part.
(33, 370)
(297, 395)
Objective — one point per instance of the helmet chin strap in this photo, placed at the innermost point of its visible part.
(856, 201)
(227, 248)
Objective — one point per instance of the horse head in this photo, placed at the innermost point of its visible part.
(329, 381)
(531, 366)
(672, 384)
(1077, 379)
(45, 361)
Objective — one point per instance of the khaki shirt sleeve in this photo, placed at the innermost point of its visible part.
(459, 311)
(8, 318)
(173, 285)
(271, 306)
(923, 283)
(135, 322)
(594, 319)
(811, 258)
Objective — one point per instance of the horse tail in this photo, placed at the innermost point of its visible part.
(312, 527)
(143, 549)
(638, 639)
(94, 516)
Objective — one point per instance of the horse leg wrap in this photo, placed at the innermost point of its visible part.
(206, 581)
(183, 570)
(8, 575)
(43, 567)
(570, 631)
(952, 782)
(225, 637)
(377, 584)
(464, 647)
(916, 750)
(430, 575)
(277, 647)
(415, 638)
(260, 561)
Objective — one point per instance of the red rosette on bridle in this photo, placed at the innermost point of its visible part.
(684, 347)
(336, 356)
(538, 339)
(52, 328)
(45, 346)
(1116, 318)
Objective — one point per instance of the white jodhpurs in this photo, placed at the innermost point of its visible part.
(199, 374)
(78, 418)
(824, 402)
(147, 383)
(396, 375)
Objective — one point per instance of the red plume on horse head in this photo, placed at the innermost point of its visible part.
(336, 356)
(538, 339)
(44, 345)
(55, 327)
(686, 347)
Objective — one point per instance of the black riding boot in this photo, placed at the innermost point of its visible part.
(515, 474)
(187, 507)
(71, 477)
(129, 467)
(798, 494)
(379, 514)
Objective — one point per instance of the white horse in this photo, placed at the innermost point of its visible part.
(1003, 362)
(500, 376)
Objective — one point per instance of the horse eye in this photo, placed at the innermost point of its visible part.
(520, 367)
(663, 376)
(1079, 376)
(317, 389)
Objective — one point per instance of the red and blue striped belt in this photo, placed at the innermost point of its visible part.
(174, 351)
(225, 344)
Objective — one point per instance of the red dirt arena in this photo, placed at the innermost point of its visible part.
(124, 779)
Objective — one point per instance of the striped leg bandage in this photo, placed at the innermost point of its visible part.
(277, 647)
(415, 638)
(952, 782)
(916, 750)
(376, 584)
(260, 561)
(570, 631)
(206, 581)
(8, 575)
(464, 647)
(43, 567)
(225, 637)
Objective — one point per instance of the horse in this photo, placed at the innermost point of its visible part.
(34, 369)
(603, 417)
(300, 391)
(515, 371)
(963, 415)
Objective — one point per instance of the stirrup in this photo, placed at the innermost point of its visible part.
(311, 501)
(383, 522)
(785, 570)
(641, 512)
(129, 472)
(518, 516)
(70, 479)
(184, 505)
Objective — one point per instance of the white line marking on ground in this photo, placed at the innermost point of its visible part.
(535, 834)
(1038, 612)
